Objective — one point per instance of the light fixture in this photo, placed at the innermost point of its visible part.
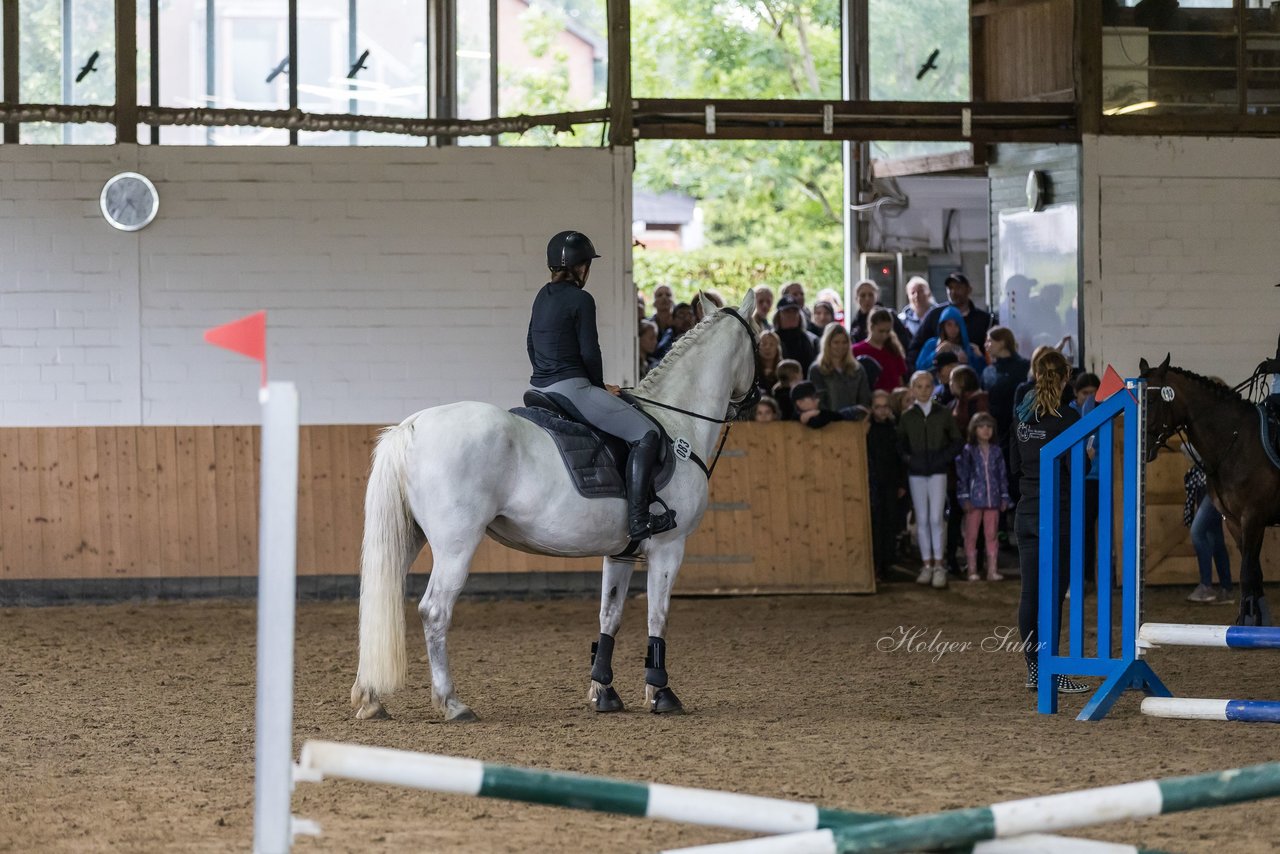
(1130, 108)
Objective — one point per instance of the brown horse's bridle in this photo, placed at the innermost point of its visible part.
(1167, 432)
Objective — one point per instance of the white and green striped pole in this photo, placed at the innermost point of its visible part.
(1031, 815)
(452, 775)
(748, 813)
(824, 840)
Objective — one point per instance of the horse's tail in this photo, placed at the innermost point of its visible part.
(384, 560)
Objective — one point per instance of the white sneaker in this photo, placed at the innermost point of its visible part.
(1203, 593)
(939, 577)
(925, 576)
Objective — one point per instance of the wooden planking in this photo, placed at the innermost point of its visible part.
(789, 507)
(12, 526)
(169, 536)
(1027, 51)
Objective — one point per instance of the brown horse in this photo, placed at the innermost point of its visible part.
(1225, 432)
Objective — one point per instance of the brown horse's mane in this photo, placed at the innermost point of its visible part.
(1219, 390)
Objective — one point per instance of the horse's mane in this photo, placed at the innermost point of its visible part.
(1219, 390)
(683, 344)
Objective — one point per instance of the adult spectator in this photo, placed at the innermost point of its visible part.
(824, 314)
(764, 304)
(797, 342)
(919, 301)
(839, 380)
(663, 304)
(1024, 388)
(648, 346)
(795, 290)
(976, 321)
(681, 322)
(640, 307)
(1205, 521)
(1041, 417)
(883, 345)
(867, 298)
(888, 478)
(1001, 378)
(770, 356)
(837, 304)
(953, 337)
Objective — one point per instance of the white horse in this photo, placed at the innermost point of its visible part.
(452, 474)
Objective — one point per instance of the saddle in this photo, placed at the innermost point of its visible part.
(1269, 416)
(596, 460)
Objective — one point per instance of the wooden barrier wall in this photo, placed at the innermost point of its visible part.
(788, 508)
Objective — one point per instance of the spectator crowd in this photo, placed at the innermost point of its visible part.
(939, 385)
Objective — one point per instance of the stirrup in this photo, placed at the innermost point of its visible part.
(660, 523)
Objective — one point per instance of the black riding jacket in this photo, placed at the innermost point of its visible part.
(562, 340)
(1025, 444)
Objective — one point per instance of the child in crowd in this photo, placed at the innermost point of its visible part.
(953, 337)
(882, 344)
(928, 441)
(900, 398)
(888, 482)
(648, 346)
(967, 398)
(982, 486)
(767, 409)
(789, 373)
(809, 409)
(945, 362)
(770, 356)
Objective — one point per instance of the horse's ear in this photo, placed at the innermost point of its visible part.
(1143, 367)
(708, 307)
(748, 306)
(1165, 363)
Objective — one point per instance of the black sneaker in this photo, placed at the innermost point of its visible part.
(1033, 680)
(1071, 686)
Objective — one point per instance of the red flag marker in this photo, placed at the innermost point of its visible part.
(246, 336)
(1112, 382)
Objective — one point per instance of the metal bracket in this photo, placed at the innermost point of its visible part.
(711, 118)
(966, 122)
(828, 118)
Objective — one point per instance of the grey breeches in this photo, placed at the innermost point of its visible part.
(603, 410)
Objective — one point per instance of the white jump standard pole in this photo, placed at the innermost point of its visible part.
(277, 583)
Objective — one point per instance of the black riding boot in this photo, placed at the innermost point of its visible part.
(640, 470)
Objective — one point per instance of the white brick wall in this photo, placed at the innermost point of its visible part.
(393, 278)
(1181, 253)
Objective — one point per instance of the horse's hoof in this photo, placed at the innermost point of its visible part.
(458, 712)
(663, 701)
(372, 712)
(461, 716)
(1254, 611)
(604, 698)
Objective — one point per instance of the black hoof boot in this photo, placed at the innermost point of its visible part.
(1254, 611)
(604, 698)
(664, 701)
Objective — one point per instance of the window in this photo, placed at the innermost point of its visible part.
(550, 56)
(67, 56)
(918, 50)
(1198, 56)
(735, 49)
(362, 57)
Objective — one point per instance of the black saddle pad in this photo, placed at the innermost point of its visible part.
(596, 460)
(1269, 414)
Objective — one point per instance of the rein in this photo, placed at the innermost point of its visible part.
(735, 407)
(1166, 433)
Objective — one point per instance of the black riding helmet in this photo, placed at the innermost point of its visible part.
(568, 249)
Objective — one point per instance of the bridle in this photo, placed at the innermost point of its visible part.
(736, 407)
(1165, 432)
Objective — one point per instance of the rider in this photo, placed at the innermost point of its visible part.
(564, 350)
